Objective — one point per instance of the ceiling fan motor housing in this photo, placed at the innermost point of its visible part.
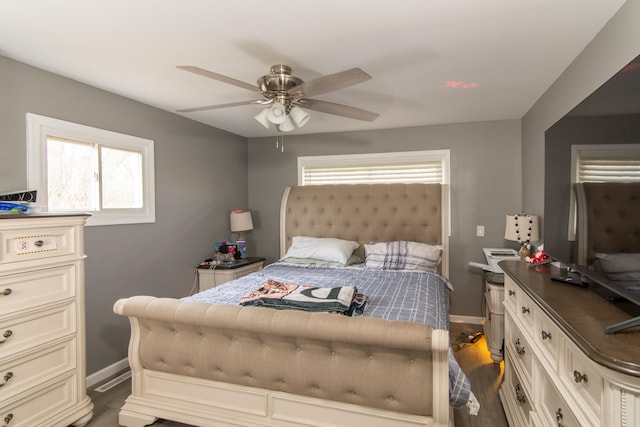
(277, 84)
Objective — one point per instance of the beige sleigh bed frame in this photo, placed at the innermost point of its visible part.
(225, 365)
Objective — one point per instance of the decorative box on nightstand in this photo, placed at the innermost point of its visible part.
(209, 277)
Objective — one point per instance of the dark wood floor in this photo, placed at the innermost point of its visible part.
(485, 377)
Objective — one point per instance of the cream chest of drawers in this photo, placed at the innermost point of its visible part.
(42, 321)
(561, 369)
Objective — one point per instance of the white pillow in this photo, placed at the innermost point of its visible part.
(402, 255)
(620, 266)
(322, 248)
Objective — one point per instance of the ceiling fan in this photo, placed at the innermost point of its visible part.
(284, 93)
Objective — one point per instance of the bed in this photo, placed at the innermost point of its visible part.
(223, 364)
(608, 241)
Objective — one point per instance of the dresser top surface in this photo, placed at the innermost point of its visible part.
(582, 314)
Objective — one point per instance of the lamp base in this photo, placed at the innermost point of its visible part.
(524, 251)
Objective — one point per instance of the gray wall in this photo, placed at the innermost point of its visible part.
(486, 182)
(616, 44)
(201, 173)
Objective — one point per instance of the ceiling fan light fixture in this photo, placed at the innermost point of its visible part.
(299, 116)
(277, 113)
(287, 125)
(263, 118)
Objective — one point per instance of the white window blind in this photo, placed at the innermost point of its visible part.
(403, 167)
(427, 172)
(608, 170)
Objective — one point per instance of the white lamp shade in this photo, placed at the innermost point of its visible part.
(287, 125)
(263, 118)
(522, 228)
(277, 113)
(240, 221)
(299, 116)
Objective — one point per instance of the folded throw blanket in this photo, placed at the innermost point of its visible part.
(343, 299)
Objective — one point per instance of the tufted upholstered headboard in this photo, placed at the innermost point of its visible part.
(366, 213)
(608, 219)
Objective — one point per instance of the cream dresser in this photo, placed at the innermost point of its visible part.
(561, 369)
(42, 321)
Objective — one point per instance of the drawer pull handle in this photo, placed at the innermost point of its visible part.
(7, 419)
(520, 394)
(7, 377)
(579, 377)
(546, 335)
(6, 335)
(559, 417)
(519, 348)
(511, 293)
(6, 292)
(39, 243)
(525, 310)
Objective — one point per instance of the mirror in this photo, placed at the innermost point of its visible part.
(611, 115)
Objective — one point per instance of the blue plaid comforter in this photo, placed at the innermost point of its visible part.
(393, 295)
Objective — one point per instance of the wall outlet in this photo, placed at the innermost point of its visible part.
(480, 230)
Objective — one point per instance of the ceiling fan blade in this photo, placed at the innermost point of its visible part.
(331, 82)
(214, 107)
(338, 109)
(219, 77)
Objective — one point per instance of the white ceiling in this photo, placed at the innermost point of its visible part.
(512, 49)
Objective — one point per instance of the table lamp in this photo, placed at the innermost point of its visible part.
(522, 228)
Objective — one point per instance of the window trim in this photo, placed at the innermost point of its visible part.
(39, 127)
(443, 156)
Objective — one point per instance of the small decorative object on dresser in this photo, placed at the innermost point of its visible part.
(42, 321)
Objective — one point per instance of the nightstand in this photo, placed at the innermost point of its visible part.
(222, 273)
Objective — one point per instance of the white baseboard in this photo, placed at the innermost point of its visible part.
(107, 372)
(474, 320)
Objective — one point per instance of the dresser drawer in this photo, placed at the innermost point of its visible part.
(513, 387)
(27, 371)
(511, 291)
(525, 311)
(549, 339)
(581, 376)
(37, 243)
(23, 332)
(554, 410)
(517, 345)
(38, 408)
(24, 291)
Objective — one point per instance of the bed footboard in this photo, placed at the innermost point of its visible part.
(207, 364)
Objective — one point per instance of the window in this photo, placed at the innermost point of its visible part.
(602, 163)
(77, 168)
(404, 167)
